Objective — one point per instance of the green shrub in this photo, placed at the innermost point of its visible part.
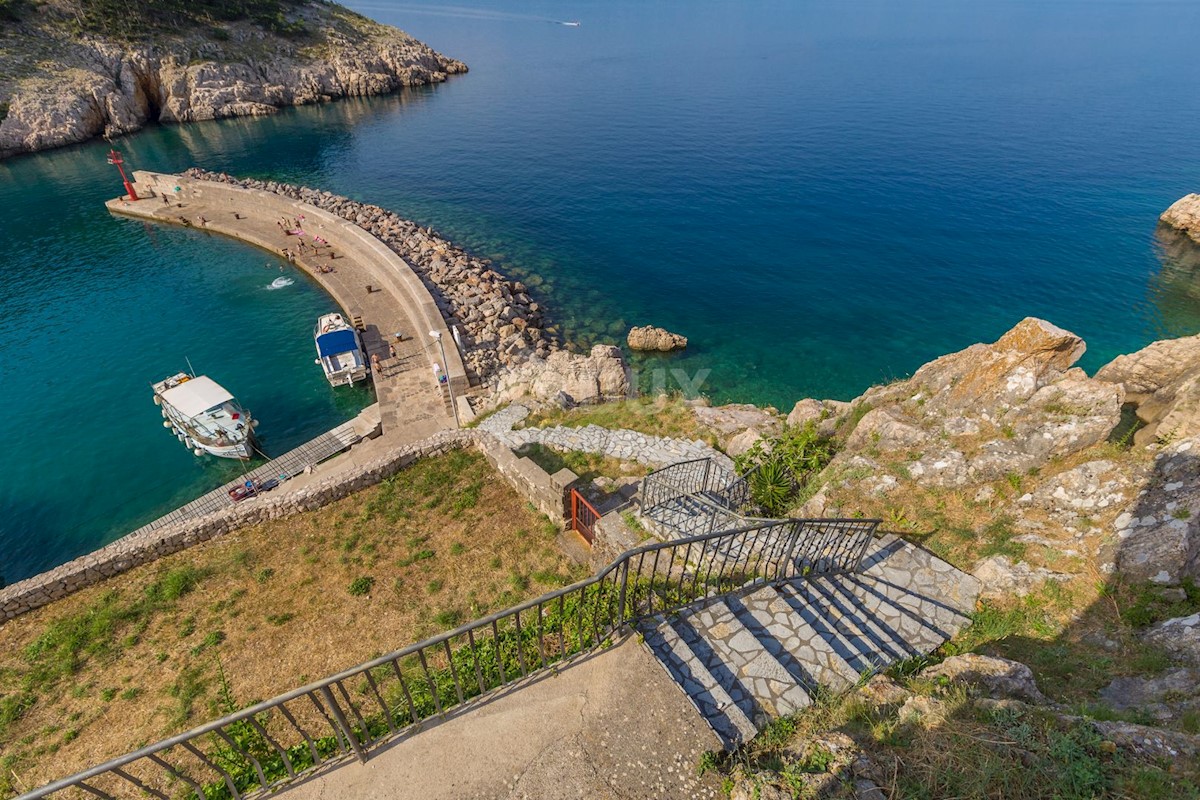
(361, 585)
(780, 468)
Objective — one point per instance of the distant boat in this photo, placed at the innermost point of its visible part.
(571, 24)
(204, 416)
(339, 350)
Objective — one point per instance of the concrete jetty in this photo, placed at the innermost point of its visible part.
(368, 281)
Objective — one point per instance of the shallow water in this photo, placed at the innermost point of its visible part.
(820, 195)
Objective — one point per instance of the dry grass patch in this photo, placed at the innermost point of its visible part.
(587, 466)
(139, 657)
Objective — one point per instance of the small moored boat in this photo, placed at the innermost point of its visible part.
(204, 416)
(339, 350)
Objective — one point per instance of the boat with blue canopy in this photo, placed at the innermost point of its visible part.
(339, 350)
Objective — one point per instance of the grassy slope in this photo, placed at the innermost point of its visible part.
(442, 542)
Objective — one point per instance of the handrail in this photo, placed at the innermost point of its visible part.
(248, 752)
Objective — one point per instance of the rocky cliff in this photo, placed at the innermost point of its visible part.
(58, 87)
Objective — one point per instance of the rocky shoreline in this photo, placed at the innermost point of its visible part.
(58, 89)
(501, 327)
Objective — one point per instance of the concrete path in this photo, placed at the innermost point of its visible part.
(613, 725)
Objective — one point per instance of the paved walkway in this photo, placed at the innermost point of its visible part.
(653, 451)
(610, 726)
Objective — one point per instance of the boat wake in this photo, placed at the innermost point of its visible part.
(279, 283)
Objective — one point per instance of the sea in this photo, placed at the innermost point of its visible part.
(820, 194)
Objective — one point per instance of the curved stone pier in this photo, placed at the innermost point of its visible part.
(412, 404)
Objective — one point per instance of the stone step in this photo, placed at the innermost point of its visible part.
(839, 631)
(752, 654)
(924, 622)
(729, 719)
(807, 648)
(876, 624)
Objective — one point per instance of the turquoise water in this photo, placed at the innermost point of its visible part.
(820, 195)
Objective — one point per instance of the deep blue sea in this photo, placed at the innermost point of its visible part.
(820, 195)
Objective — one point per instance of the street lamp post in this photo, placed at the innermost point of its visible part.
(449, 383)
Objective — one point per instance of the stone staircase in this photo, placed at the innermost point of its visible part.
(748, 657)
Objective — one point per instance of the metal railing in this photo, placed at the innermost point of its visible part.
(701, 476)
(263, 747)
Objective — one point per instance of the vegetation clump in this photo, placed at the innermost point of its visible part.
(120, 19)
(781, 469)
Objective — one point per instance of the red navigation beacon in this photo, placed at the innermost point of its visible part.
(115, 158)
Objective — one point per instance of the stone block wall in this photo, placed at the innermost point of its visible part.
(548, 493)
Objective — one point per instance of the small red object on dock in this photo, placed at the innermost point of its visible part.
(115, 158)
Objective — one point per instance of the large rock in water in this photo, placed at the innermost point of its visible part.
(651, 338)
(569, 378)
(1163, 379)
(1184, 215)
(991, 409)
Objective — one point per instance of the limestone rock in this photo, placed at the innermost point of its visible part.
(1163, 697)
(825, 414)
(1148, 742)
(599, 376)
(997, 677)
(738, 425)
(1088, 488)
(652, 338)
(1163, 379)
(1184, 215)
(1013, 405)
(95, 86)
(1159, 531)
(1180, 636)
(885, 429)
(1002, 578)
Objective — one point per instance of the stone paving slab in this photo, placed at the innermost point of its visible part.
(653, 451)
(768, 647)
(609, 726)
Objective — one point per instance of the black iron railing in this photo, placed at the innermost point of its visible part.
(345, 716)
(699, 477)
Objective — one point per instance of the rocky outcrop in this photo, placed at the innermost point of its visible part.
(91, 86)
(1180, 636)
(651, 338)
(990, 410)
(825, 414)
(1159, 532)
(1002, 578)
(567, 378)
(1184, 215)
(499, 324)
(995, 677)
(738, 425)
(1163, 380)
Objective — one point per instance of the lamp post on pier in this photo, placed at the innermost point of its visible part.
(446, 371)
(115, 159)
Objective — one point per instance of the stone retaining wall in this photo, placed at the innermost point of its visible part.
(546, 492)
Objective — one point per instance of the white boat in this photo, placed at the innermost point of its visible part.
(339, 350)
(204, 416)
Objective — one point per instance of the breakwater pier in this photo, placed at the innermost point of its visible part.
(493, 322)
